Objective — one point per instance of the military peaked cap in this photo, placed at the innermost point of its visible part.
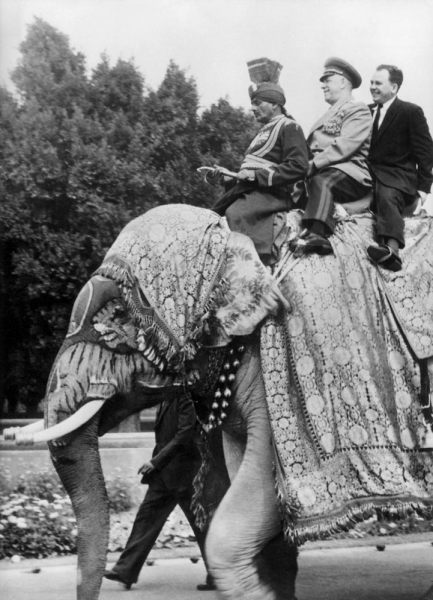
(339, 66)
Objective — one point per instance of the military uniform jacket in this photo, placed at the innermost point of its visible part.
(401, 154)
(341, 139)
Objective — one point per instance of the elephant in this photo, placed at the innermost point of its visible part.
(182, 305)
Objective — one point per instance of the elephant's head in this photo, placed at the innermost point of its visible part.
(103, 373)
(172, 292)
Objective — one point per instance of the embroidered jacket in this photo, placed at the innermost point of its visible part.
(278, 154)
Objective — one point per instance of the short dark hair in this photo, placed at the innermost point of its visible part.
(395, 74)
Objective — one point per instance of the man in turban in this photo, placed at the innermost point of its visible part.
(339, 142)
(275, 160)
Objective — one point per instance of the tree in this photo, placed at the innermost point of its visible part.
(56, 227)
(171, 114)
(49, 72)
(79, 158)
(225, 133)
(171, 130)
(118, 89)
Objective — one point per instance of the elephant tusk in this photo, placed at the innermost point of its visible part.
(83, 414)
(11, 432)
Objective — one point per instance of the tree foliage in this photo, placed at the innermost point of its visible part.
(80, 156)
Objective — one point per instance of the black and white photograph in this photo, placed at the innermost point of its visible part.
(216, 299)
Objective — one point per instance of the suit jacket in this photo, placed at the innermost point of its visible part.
(341, 139)
(401, 154)
(176, 457)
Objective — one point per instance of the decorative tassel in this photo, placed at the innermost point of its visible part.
(223, 393)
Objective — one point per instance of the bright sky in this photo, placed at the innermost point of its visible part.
(213, 39)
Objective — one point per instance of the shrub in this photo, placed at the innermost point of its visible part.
(35, 527)
(36, 517)
(43, 484)
(119, 494)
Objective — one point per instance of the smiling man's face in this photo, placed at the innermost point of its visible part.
(381, 88)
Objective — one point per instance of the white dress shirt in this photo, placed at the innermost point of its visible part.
(383, 111)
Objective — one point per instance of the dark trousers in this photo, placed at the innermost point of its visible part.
(253, 214)
(324, 188)
(389, 205)
(157, 505)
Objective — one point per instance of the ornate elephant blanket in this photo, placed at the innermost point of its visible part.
(189, 281)
(343, 383)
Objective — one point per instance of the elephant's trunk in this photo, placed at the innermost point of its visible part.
(78, 465)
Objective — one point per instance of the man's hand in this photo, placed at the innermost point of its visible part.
(146, 469)
(246, 175)
(217, 174)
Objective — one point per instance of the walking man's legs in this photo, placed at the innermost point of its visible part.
(152, 514)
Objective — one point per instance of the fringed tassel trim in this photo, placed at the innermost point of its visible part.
(344, 522)
(118, 269)
(155, 340)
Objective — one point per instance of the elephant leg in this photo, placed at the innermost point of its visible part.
(247, 517)
(234, 450)
(79, 468)
(278, 561)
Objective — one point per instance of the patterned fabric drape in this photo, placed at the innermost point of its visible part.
(343, 385)
(188, 280)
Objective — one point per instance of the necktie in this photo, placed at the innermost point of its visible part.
(376, 120)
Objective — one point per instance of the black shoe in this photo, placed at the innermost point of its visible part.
(113, 576)
(315, 243)
(384, 256)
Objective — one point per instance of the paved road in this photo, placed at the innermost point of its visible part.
(401, 572)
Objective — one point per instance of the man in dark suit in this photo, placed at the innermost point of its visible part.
(170, 473)
(401, 160)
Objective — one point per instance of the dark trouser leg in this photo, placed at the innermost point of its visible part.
(389, 205)
(324, 188)
(252, 213)
(157, 505)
